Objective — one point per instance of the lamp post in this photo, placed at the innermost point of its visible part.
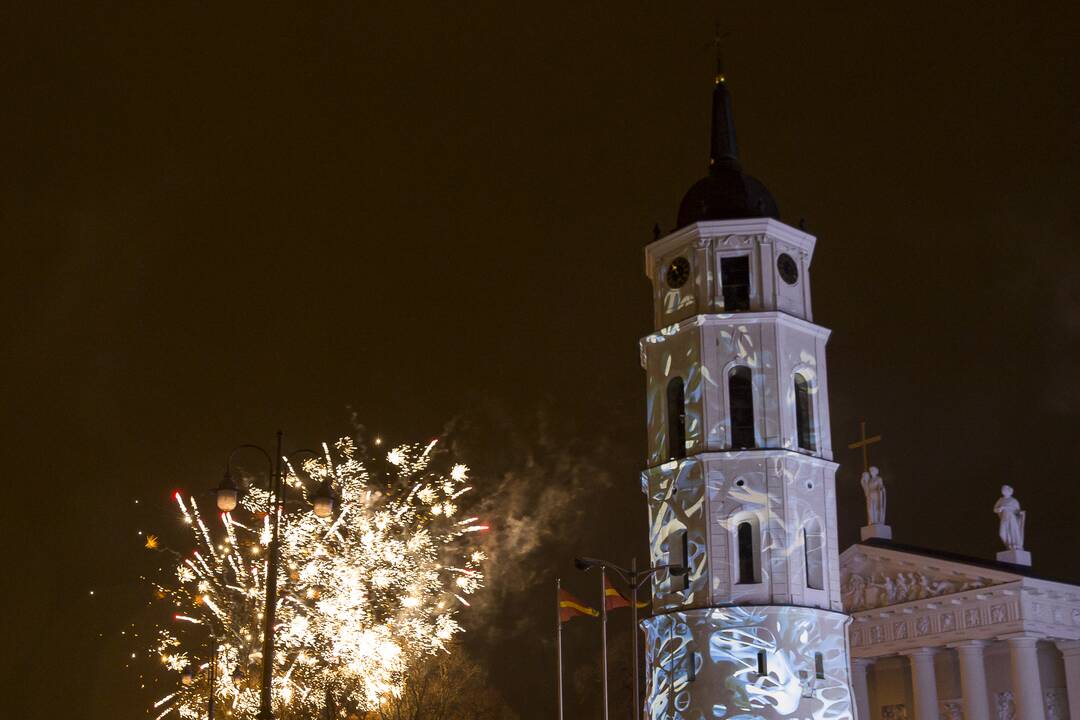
(635, 579)
(187, 677)
(227, 495)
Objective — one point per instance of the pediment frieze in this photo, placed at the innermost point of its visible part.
(875, 578)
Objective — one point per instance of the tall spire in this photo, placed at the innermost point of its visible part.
(724, 150)
(726, 193)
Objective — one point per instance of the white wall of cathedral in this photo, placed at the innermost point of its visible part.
(705, 245)
(890, 685)
(704, 350)
(698, 507)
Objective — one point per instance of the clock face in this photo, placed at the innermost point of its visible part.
(788, 269)
(678, 272)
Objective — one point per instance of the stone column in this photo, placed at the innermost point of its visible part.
(1070, 653)
(925, 681)
(1027, 688)
(859, 666)
(973, 679)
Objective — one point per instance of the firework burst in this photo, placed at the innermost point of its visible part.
(363, 595)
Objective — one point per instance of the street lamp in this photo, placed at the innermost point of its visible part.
(187, 675)
(635, 579)
(227, 495)
(323, 500)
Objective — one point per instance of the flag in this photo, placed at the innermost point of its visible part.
(615, 599)
(570, 607)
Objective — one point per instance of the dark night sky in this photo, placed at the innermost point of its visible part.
(220, 221)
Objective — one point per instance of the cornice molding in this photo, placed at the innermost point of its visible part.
(768, 317)
(763, 454)
(706, 232)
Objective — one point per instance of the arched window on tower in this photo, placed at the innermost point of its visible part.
(814, 549)
(748, 565)
(741, 405)
(676, 419)
(804, 414)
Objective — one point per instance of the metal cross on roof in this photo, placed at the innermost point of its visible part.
(864, 443)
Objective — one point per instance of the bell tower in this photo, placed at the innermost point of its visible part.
(740, 479)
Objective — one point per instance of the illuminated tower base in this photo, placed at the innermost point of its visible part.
(707, 663)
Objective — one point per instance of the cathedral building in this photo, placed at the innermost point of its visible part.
(937, 635)
(769, 620)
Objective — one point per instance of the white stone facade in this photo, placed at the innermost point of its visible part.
(947, 637)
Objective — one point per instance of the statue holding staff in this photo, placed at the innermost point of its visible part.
(1010, 519)
(873, 486)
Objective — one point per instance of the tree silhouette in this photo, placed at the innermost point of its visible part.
(448, 686)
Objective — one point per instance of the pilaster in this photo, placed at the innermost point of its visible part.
(1070, 653)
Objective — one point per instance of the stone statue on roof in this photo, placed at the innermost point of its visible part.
(1010, 519)
(873, 486)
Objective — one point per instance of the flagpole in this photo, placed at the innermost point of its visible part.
(558, 642)
(603, 633)
(633, 606)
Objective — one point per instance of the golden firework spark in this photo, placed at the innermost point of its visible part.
(363, 595)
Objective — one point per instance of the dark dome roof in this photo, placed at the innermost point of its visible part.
(726, 193)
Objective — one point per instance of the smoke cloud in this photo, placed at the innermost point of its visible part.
(534, 489)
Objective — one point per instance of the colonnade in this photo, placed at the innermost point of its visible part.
(1024, 671)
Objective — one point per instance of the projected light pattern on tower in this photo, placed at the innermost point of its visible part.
(766, 662)
(739, 474)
